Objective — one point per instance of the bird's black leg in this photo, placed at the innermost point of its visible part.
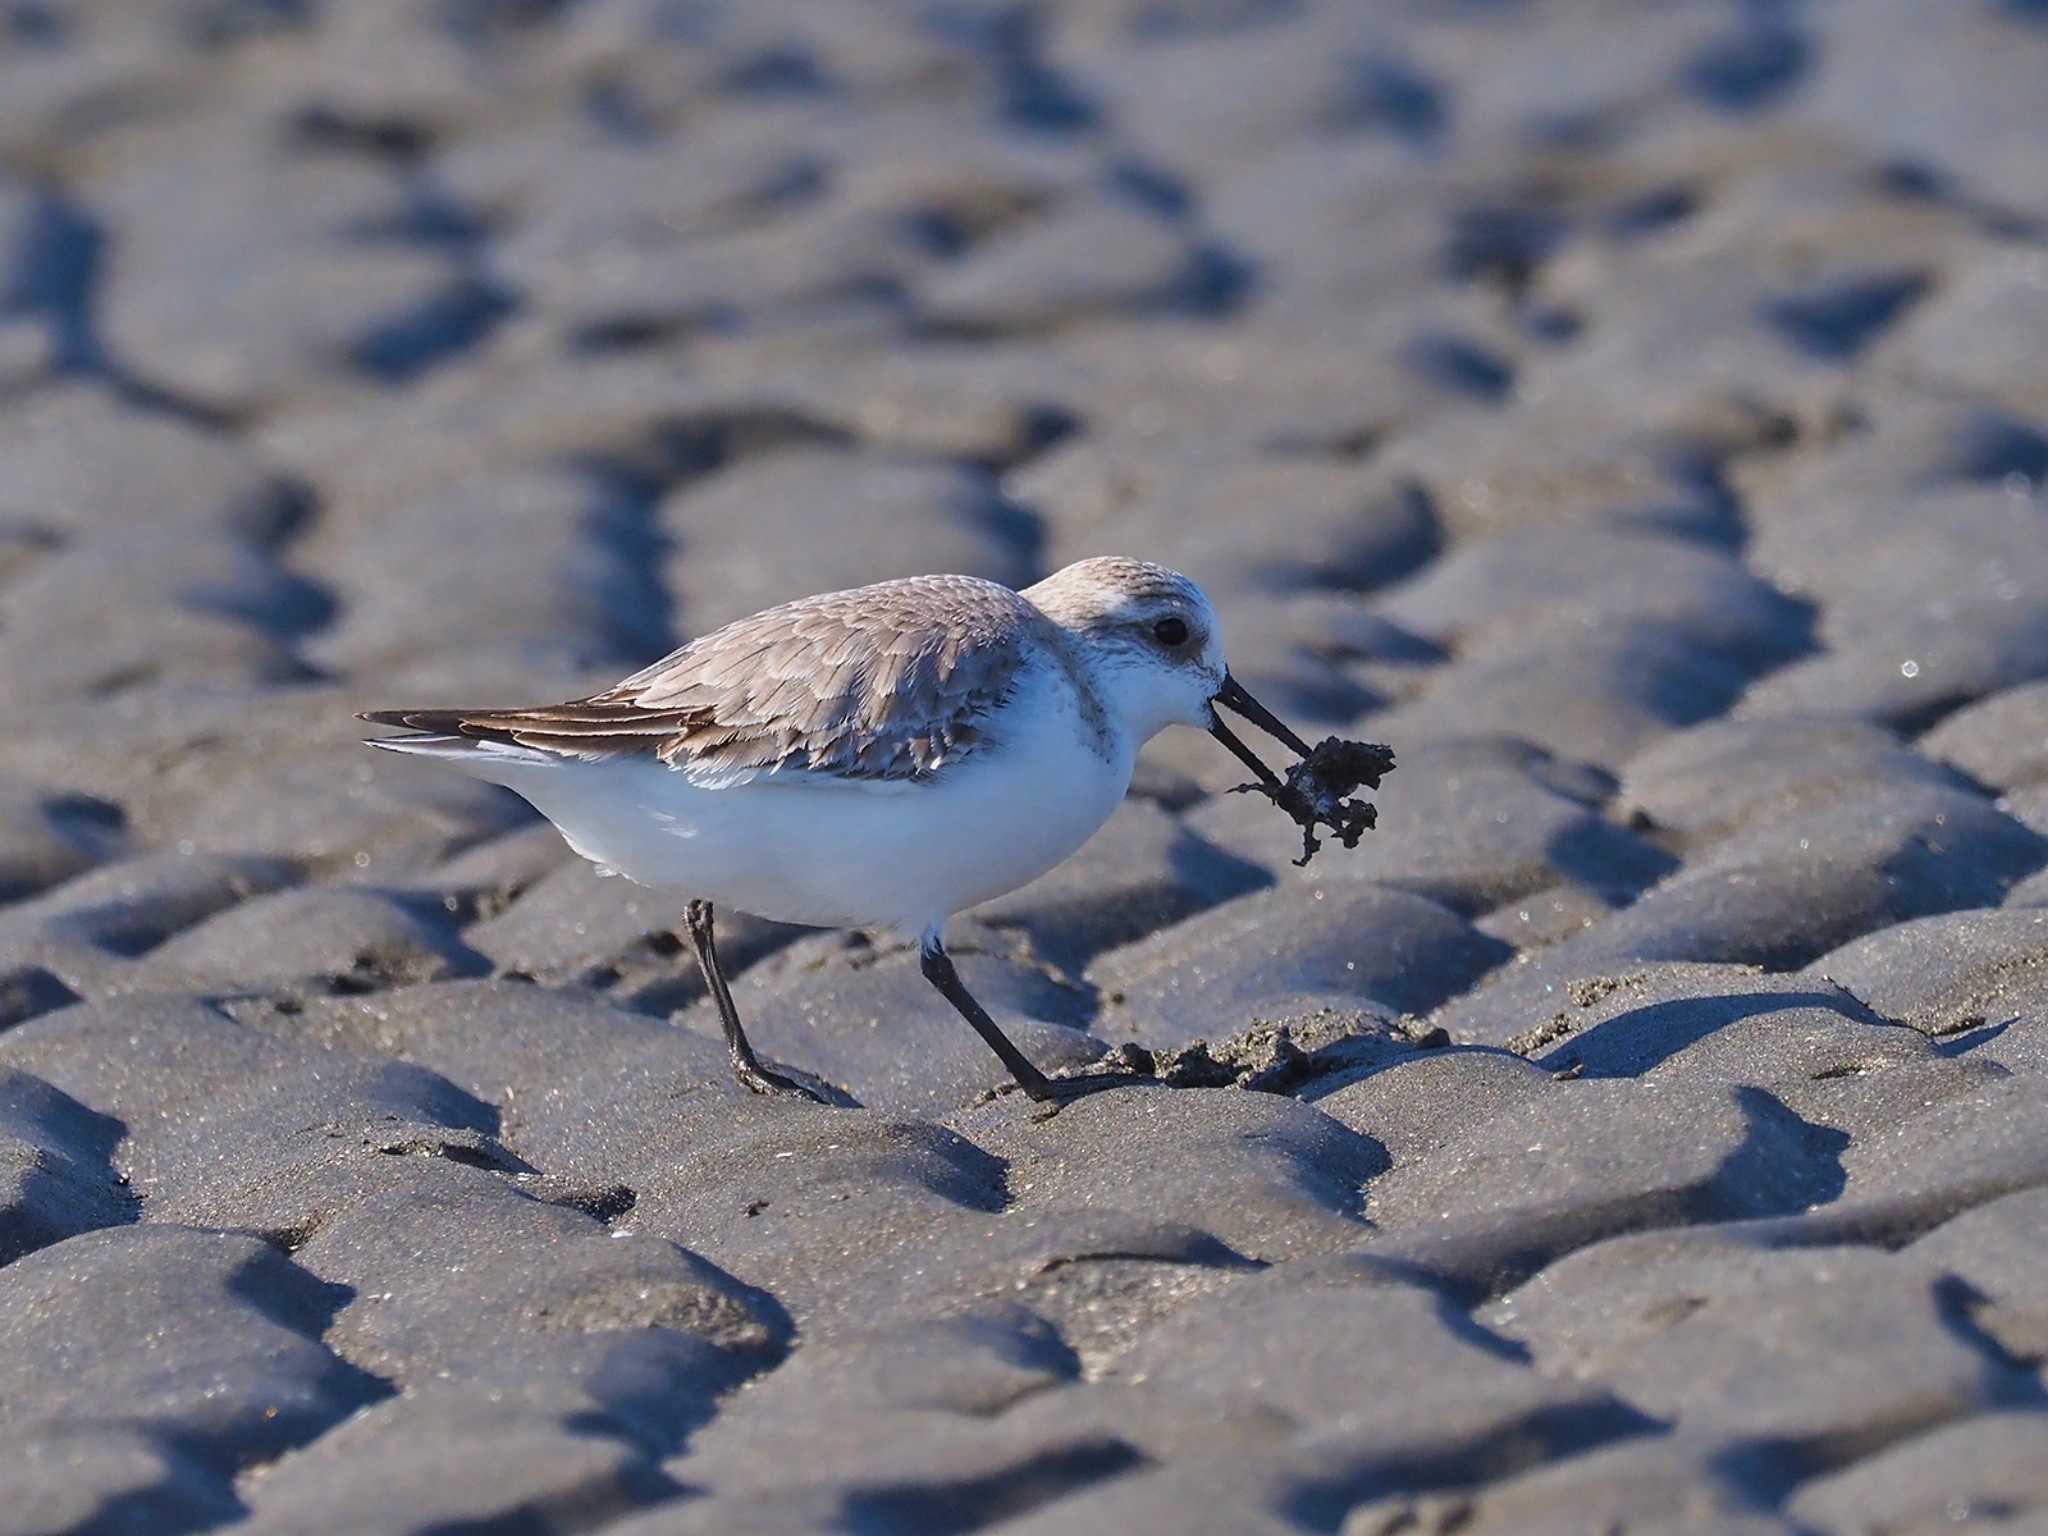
(745, 1065)
(938, 970)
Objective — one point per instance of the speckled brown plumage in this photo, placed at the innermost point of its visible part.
(889, 681)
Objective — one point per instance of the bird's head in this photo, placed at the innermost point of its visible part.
(1153, 647)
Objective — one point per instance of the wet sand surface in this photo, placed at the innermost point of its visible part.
(1633, 413)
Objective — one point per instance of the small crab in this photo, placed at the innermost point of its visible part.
(1314, 790)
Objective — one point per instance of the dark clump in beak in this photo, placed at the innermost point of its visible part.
(1314, 790)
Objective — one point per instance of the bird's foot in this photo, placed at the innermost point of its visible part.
(774, 1084)
(1053, 1094)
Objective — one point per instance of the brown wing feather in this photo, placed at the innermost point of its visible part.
(884, 682)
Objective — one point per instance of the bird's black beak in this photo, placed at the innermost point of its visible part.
(1233, 697)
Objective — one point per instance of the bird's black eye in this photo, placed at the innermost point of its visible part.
(1171, 632)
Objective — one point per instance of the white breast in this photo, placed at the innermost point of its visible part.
(836, 853)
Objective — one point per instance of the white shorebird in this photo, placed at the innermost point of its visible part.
(877, 758)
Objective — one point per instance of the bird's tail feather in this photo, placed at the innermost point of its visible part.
(437, 738)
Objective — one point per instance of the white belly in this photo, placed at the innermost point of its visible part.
(896, 854)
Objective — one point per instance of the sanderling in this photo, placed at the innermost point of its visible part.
(878, 758)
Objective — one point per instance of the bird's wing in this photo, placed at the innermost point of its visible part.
(889, 682)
